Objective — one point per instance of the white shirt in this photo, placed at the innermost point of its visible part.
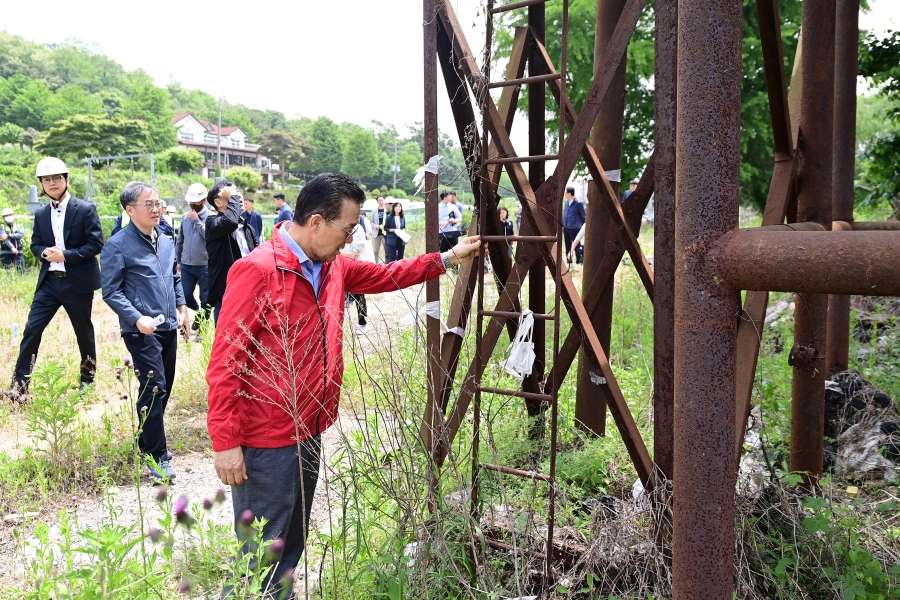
(57, 220)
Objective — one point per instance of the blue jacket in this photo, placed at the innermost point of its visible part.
(140, 278)
(390, 238)
(574, 215)
(284, 214)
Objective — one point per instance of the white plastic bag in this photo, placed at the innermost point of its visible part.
(521, 351)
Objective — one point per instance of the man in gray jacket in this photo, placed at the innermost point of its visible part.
(190, 251)
(141, 284)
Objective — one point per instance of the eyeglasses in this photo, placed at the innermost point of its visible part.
(52, 178)
(349, 234)
(150, 205)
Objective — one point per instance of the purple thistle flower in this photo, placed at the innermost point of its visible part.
(161, 493)
(119, 373)
(207, 504)
(246, 519)
(155, 534)
(137, 373)
(127, 361)
(143, 408)
(220, 495)
(150, 374)
(185, 586)
(155, 387)
(287, 580)
(181, 505)
(275, 549)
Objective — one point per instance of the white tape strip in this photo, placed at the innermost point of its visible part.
(432, 166)
(614, 175)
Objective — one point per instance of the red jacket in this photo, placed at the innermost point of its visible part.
(269, 306)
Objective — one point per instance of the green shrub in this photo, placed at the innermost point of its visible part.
(246, 178)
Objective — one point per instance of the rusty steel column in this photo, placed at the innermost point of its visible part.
(537, 288)
(707, 189)
(846, 64)
(432, 288)
(664, 234)
(606, 137)
(813, 205)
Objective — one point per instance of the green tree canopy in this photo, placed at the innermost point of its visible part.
(360, 155)
(285, 147)
(325, 138)
(150, 104)
(10, 133)
(179, 160)
(246, 178)
(81, 136)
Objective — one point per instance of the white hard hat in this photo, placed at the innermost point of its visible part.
(7, 212)
(51, 166)
(195, 193)
(170, 208)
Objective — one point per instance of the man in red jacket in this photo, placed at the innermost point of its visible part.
(276, 367)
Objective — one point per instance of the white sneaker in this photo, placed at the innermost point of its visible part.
(360, 330)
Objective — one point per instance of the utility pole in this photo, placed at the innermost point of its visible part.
(219, 141)
(395, 169)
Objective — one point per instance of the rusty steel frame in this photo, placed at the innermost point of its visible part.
(707, 346)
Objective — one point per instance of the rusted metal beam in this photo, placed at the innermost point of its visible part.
(616, 49)
(665, 77)
(434, 367)
(537, 144)
(809, 262)
(606, 138)
(846, 63)
(619, 408)
(707, 198)
(782, 196)
(634, 210)
(814, 202)
(865, 225)
(627, 233)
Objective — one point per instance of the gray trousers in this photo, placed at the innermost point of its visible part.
(377, 244)
(277, 490)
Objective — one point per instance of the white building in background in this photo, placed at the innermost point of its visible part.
(203, 137)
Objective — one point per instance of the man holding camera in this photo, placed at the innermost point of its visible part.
(67, 238)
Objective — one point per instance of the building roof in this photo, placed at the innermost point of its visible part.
(210, 127)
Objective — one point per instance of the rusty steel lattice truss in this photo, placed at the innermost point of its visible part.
(706, 344)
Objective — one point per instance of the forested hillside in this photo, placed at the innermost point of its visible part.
(72, 101)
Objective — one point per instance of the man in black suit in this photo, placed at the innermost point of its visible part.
(67, 239)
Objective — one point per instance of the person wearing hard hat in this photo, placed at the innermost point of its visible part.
(66, 238)
(190, 250)
(11, 234)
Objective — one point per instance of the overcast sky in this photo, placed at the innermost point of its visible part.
(350, 60)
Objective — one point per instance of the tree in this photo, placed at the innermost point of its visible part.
(238, 115)
(360, 155)
(10, 133)
(879, 62)
(81, 136)
(284, 147)
(757, 157)
(325, 138)
(180, 160)
(246, 178)
(150, 104)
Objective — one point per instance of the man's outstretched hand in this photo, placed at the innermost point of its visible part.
(230, 466)
(465, 250)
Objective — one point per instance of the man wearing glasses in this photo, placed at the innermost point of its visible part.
(66, 239)
(142, 285)
(276, 368)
